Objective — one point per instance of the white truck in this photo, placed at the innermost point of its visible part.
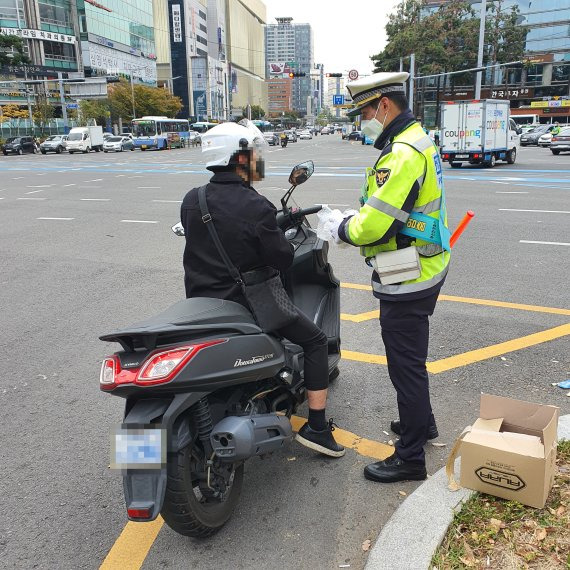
(84, 139)
(478, 132)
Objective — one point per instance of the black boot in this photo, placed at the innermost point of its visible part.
(432, 432)
(321, 441)
(394, 469)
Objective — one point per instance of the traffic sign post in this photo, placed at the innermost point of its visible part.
(353, 75)
(338, 100)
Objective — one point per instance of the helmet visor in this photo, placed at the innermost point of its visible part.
(259, 142)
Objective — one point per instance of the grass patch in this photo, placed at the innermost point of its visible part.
(494, 533)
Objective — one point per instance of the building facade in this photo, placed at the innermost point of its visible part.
(290, 48)
(245, 20)
(543, 79)
(279, 96)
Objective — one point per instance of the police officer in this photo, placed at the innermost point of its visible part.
(247, 227)
(406, 180)
(555, 130)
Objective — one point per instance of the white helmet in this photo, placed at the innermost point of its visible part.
(220, 143)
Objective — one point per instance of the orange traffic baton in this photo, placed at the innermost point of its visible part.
(461, 227)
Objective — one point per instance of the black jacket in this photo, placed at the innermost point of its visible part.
(245, 222)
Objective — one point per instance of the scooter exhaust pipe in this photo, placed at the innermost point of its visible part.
(236, 438)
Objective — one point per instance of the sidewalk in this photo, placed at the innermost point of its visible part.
(413, 533)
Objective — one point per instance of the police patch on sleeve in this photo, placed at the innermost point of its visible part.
(382, 176)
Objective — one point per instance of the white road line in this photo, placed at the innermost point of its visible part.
(95, 199)
(541, 211)
(96, 180)
(544, 242)
(148, 187)
(140, 221)
(119, 175)
(1, 198)
(40, 186)
(168, 201)
(497, 182)
(511, 192)
(33, 191)
(67, 185)
(63, 219)
(18, 178)
(31, 198)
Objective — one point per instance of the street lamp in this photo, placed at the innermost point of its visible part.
(133, 87)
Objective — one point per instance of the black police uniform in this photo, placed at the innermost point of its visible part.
(246, 224)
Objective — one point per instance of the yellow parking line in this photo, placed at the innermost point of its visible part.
(132, 546)
(135, 541)
(488, 302)
(363, 357)
(497, 349)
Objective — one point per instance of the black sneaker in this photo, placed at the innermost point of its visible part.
(432, 432)
(321, 441)
(394, 469)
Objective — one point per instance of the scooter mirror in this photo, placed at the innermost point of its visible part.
(178, 229)
(301, 173)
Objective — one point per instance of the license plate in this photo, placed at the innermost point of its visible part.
(461, 156)
(138, 448)
(144, 146)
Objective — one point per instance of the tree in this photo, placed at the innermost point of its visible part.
(43, 111)
(97, 109)
(12, 50)
(256, 112)
(12, 111)
(148, 101)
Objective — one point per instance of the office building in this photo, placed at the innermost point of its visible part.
(547, 54)
(279, 96)
(162, 42)
(246, 54)
(290, 47)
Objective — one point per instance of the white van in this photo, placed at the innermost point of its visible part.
(84, 139)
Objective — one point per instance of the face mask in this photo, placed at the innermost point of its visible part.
(373, 128)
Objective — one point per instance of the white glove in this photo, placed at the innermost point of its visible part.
(329, 222)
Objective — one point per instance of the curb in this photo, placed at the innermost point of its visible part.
(414, 532)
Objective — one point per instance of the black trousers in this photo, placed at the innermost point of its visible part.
(405, 332)
(314, 343)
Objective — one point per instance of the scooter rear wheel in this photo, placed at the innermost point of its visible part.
(188, 511)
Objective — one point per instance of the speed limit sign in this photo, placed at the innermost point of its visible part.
(353, 74)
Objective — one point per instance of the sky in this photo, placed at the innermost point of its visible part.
(346, 33)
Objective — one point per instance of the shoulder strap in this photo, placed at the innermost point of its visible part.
(207, 219)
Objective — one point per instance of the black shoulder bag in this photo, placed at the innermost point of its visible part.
(262, 288)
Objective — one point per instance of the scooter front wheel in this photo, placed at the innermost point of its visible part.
(189, 507)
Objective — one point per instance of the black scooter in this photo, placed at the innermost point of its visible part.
(284, 141)
(206, 389)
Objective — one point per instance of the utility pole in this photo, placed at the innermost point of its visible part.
(481, 45)
(412, 77)
(62, 101)
(28, 97)
(133, 96)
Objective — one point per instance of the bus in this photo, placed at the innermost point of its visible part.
(202, 126)
(531, 119)
(160, 133)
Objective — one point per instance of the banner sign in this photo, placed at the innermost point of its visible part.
(176, 24)
(550, 104)
(28, 34)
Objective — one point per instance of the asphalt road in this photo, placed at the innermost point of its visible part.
(86, 247)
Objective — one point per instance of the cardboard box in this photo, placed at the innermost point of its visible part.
(510, 451)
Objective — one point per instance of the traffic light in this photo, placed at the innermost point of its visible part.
(334, 74)
(297, 74)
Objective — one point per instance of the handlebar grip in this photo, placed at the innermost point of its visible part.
(313, 210)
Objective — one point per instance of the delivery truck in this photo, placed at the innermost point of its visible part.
(478, 132)
(84, 139)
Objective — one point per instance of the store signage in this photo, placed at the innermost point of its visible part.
(28, 34)
(550, 104)
(176, 24)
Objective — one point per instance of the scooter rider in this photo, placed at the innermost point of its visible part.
(249, 232)
(405, 185)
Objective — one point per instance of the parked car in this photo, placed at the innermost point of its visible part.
(544, 140)
(271, 138)
(325, 131)
(305, 135)
(561, 141)
(532, 136)
(291, 136)
(118, 144)
(354, 136)
(108, 136)
(19, 145)
(55, 143)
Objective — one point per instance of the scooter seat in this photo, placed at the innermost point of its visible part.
(188, 316)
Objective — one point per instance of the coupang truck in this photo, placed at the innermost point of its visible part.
(478, 132)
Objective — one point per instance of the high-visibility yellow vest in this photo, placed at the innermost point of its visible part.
(407, 177)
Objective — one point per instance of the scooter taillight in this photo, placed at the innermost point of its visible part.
(158, 368)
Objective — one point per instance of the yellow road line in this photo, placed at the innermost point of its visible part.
(134, 543)
(360, 317)
(498, 349)
(132, 546)
(488, 302)
(472, 356)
